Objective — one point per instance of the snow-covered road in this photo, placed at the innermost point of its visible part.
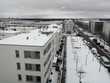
(79, 58)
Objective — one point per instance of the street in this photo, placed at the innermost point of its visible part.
(82, 66)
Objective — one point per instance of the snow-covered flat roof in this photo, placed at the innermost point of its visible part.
(9, 31)
(16, 27)
(49, 22)
(34, 38)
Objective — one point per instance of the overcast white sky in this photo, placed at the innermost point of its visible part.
(55, 8)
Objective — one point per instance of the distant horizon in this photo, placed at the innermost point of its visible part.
(55, 8)
(54, 17)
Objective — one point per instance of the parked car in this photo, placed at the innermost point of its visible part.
(105, 61)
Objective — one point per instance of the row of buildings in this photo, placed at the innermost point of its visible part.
(25, 23)
(27, 57)
(14, 27)
(98, 27)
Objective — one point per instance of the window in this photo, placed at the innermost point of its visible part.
(32, 67)
(37, 55)
(37, 67)
(19, 77)
(32, 54)
(27, 54)
(35, 79)
(29, 78)
(28, 66)
(18, 66)
(38, 79)
(17, 53)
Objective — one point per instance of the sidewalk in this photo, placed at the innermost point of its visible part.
(54, 76)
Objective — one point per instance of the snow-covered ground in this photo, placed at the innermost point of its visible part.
(80, 59)
(54, 76)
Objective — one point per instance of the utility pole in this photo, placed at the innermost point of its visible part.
(99, 66)
(86, 59)
(80, 72)
(76, 63)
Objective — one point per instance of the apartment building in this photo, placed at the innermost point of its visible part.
(96, 26)
(27, 57)
(101, 28)
(106, 31)
(68, 26)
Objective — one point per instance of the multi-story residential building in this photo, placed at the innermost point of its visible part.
(68, 26)
(101, 28)
(27, 57)
(106, 31)
(96, 26)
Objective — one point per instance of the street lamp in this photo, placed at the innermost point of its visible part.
(81, 73)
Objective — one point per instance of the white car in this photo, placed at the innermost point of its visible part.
(94, 50)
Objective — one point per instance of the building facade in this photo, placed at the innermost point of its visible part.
(27, 58)
(96, 27)
(101, 28)
(106, 31)
(68, 26)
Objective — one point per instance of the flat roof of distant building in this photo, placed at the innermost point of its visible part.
(34, 38)
(49, 22)
(97, 21)
(9, 31)
(20, 27)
